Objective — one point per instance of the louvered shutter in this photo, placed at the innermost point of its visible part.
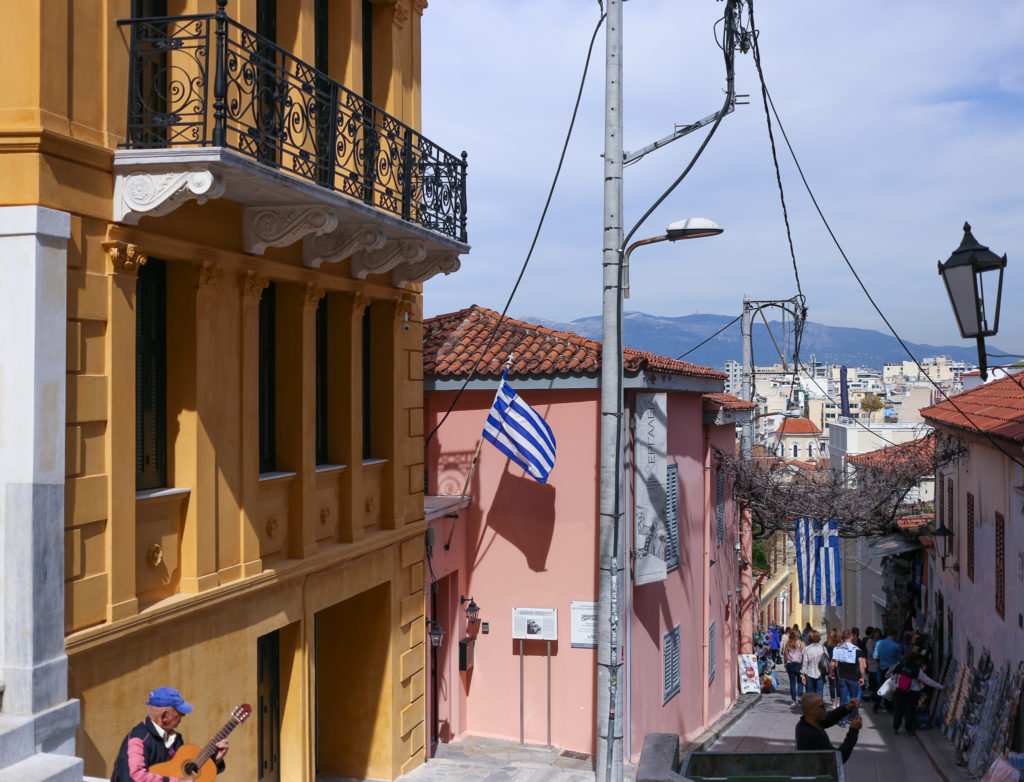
(670, 643)
(720, 507)
(267, 381)
(711, 653)
(321, 382)
(672, 516)
(151, 375)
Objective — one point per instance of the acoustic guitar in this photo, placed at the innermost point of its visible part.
(191, 762)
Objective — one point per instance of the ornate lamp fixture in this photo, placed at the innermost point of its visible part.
(965, 274)
(472, 610)
(436, 632)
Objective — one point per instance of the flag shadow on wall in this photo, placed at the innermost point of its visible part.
(523, 512)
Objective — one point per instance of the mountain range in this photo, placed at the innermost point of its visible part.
(676, 336)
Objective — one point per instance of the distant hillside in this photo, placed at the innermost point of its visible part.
(673, 337)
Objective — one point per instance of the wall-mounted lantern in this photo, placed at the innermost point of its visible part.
(966, 273)
(435, 632)
(472, 610)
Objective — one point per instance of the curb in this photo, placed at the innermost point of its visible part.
(722, 724)
(941, 761)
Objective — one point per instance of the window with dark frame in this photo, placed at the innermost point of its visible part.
(671, 665)
(321, 381)
(324, 92)
(711, 652)
(151, 97)
(268, 380)
(151, 375)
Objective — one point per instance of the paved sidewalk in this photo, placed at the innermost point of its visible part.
(879, 755)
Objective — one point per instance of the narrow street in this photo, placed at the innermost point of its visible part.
(769, 726)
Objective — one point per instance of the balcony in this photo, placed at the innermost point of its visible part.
(215, 110)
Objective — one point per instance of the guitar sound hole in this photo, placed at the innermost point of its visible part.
(191, 769)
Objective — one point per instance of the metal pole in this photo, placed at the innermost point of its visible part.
(521, 734)
(549, 694)
(747, 384)
(609, 656)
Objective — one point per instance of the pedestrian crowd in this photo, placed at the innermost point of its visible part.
(892, 672)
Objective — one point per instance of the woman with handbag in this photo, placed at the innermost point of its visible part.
(909, 680)
(834, 639)
(815, 666)
(793, 654)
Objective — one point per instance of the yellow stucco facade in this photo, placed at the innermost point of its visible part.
(299, 589)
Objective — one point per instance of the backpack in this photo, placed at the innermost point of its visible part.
(795, 656)
(823, 665)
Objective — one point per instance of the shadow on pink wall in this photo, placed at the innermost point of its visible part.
(523, 512)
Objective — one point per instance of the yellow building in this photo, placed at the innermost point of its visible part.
(215, 222)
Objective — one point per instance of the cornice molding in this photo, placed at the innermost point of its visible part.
(279, 226)
(145, 194)
(341, 244)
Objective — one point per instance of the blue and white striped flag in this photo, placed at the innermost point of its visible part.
(818, 562)
(520, 433)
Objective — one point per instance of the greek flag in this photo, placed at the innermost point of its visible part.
(818, 562)
(517, 431)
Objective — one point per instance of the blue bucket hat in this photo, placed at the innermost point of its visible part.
(168, 696)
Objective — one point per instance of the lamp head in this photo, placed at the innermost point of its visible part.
(692, 228)
(965, 273)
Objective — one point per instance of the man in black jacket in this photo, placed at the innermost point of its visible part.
(156, 739)
(810, 730)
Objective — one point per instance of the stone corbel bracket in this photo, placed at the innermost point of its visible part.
(152, 194)
(279, 226)
(339, 245)
(401, 253)
(435, 263)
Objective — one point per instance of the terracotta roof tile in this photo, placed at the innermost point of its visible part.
(895, 454)
(996, 408)
(727, 402)
(797, 426)
(453, 345)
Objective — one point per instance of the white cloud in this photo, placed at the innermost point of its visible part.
(907, 118)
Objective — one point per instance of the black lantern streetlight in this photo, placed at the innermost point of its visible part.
(968, 270)
(472, 610)
(436, 632)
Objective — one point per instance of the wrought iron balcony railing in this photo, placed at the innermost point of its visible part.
(275, 109)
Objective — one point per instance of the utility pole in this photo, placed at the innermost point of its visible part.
(609, 627)
(747, 376)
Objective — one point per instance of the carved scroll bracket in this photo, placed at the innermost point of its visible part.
(334, 247)
(392, 255)
(279, 226)
(151, 194)
(433, 264)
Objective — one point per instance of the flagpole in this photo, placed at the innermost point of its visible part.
(472, 464)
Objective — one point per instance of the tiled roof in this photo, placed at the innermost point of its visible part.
(797, 426)
(996, 408)
(453, 345)
(727, 402)
(895, 454)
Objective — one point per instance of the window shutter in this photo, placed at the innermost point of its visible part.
(970, 536)
(321, 382)
(711, 653)
(1000, 566)
(367, 363)
(670, 644)
(151, 376)
(267, 380)
(672, 516)
(720, 507)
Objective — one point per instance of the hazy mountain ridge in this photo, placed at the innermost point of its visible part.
(674, 336)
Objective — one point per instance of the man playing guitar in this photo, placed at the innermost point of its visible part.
(155, 740)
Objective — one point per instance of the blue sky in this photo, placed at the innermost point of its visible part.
(907, 119)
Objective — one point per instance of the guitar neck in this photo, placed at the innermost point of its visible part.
(210, 749)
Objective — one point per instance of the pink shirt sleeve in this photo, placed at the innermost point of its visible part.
(137, 764)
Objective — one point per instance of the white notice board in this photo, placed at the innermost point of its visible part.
(584, 624)
(538, 624)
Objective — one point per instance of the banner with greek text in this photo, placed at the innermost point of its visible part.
(650, 526)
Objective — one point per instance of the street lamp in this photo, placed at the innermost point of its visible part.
(690, 228)
(436, 633)
(965, 274)
(472, 610)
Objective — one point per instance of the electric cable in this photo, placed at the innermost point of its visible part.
(706, 341)
(536, 235)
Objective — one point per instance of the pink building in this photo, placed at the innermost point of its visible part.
(520, 544)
